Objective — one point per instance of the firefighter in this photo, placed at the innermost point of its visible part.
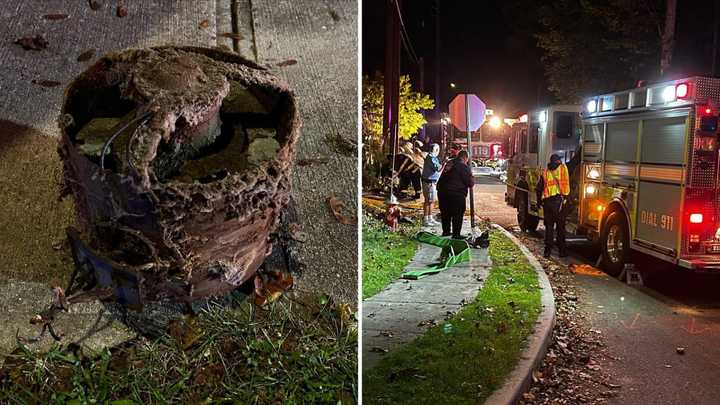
(455, 181)
(553, 189)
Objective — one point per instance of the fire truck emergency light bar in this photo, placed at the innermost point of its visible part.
(670, 94)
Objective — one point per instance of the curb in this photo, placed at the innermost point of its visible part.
(518, 381)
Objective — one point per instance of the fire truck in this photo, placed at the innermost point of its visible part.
(644, 172)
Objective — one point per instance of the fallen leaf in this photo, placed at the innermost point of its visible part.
(122, 10)
(233, 35)
(94, 4)
(680, 350)
(345, 312)
(186, 332)
(35, 43)
(288, 62)
(46, 83)
(54, 17)
(308, 162)
(296, 233)
(336, 207)
(378, 350)
(204, 24)
(85, 56)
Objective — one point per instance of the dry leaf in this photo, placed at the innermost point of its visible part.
(94, 4)
(35, 43)
(54, 17)
(204, 23)
(85, 56)
(345, 312)
(296, 233)
(336, 207)
(232, 35)
(288, 62)
(122, 10)
(46, 83)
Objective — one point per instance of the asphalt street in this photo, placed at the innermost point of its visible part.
(661, 337)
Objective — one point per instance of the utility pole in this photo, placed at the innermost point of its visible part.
(436, 63)
(421, 73)
(391, 89)
(716, 22)
(668, 37)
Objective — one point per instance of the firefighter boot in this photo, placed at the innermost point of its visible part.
(546, 253)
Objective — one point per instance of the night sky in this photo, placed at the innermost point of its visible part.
(487, 48)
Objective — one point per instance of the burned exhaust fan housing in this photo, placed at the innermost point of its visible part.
(179, 161)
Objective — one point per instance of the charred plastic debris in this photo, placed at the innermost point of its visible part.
(179, 161)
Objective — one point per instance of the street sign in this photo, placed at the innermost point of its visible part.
(467, 113)
(468, 104)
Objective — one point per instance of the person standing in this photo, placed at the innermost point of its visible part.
(430, 176)
(554, 187)
(455, 181)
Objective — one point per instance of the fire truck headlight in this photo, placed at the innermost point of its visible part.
(594, 174)
(669, 94)
(591, 106)
(717, 234)
(590, 189)
(599, 207)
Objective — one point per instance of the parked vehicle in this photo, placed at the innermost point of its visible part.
(646, 178)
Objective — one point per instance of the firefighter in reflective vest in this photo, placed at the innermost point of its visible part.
(553, 189)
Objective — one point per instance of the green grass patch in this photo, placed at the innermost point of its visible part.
(385, 254)
(300, 351)
(487, 337)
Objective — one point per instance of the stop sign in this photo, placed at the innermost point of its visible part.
(462, 103)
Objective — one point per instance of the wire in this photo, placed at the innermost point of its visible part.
(404, 35)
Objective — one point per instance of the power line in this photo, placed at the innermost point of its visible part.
(404, 35)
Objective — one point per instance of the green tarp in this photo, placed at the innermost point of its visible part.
(454, 251)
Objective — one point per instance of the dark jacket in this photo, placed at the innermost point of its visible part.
(431, 169)
(456, 178)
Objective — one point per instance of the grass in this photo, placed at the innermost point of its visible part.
(299, 351)
(466, 365)
(385, 254)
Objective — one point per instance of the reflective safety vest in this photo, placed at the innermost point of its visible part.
(556, 181)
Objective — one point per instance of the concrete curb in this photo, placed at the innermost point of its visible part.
(518, 381)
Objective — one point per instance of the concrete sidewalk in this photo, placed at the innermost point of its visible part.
(407, 308)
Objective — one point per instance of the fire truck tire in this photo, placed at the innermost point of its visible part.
(615, 244)
(526, 220)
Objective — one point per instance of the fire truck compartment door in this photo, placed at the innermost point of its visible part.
(658, 214)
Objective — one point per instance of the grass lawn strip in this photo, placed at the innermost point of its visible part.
(385, 254)
(299, 351)
(487, 337)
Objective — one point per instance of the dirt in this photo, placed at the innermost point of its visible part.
(32, 218)
(571, 371)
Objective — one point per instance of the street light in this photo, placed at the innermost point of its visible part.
(452, 85)
(495, 121)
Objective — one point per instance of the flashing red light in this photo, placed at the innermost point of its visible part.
(696, 218)
(681, 90)
(707, 111)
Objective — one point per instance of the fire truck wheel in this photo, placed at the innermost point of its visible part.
(526, 220)
(615, 244)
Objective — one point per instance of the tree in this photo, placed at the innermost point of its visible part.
(411, 102)
(594, 47)
(411, 120)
